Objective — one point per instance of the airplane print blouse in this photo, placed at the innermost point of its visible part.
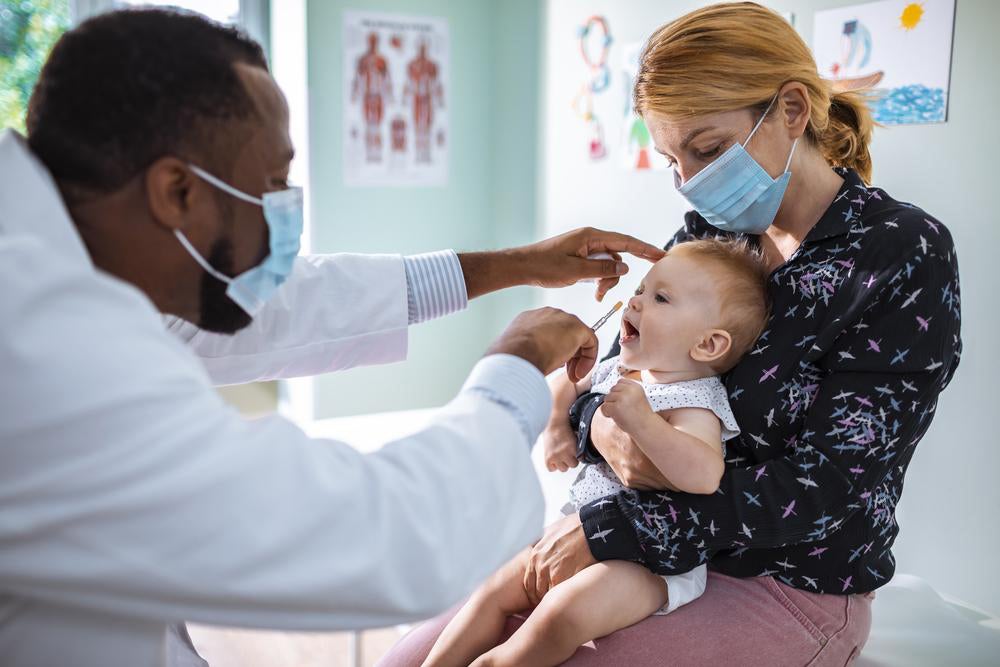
(831, 403)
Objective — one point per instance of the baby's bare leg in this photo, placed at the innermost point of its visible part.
(479, 625)
(597, 601)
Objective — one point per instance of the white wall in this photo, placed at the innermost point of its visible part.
(489, 200)
(949, 510)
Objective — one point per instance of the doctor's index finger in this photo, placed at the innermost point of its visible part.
(614, 242)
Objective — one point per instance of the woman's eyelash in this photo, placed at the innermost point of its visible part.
(707, 154)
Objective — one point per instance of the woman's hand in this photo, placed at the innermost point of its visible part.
(559, 447)
(561, 553)
(633, 468)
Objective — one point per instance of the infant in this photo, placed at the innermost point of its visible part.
(695, 314)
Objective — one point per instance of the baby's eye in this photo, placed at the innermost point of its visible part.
(662, 298)
(638, 290)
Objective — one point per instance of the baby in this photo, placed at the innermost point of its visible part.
(696, 312)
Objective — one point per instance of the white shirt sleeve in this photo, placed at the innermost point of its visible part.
(130, 488)
(335, 312)
(435, 285)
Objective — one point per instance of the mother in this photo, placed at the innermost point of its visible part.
(832, 401)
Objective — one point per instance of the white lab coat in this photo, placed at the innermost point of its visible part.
(131, 496)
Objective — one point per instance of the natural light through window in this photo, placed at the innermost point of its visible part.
(224, 11)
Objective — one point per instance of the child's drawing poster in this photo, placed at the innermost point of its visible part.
(637, 146)
(395, 109)
(901, 48)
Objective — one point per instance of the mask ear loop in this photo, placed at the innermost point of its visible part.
(225, 187)
(794, 144)
(766, 111)
(201, 260)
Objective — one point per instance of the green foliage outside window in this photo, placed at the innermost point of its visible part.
(28, 30)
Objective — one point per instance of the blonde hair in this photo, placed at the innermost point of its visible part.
(736, 55)
(744, 306)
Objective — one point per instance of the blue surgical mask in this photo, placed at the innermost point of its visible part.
(734, 193)
(283, 212)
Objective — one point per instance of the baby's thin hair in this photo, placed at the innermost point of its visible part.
(745, 303)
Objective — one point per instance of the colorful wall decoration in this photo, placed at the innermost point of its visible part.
(902, 49)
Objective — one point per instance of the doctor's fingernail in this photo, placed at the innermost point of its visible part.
(621, 268)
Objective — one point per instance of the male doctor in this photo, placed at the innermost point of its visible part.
(131, 498)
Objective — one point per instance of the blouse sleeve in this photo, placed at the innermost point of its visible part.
(882, 377)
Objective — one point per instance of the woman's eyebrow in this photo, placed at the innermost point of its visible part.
(694, 133)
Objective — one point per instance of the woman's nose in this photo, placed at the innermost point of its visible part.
(686, 169)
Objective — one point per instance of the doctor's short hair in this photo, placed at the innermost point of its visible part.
(128, 87)
(740, 272)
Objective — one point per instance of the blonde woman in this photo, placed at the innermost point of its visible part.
(831, 401)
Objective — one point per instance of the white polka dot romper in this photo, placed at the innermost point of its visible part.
(598, 480)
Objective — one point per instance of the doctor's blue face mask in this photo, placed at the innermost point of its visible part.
(734, 193)
(283, 211)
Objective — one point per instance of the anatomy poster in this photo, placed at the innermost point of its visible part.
(901, 49)
(395, 99)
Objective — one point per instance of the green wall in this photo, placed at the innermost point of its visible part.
(489, 201)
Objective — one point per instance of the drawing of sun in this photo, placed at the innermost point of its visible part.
(912, 13)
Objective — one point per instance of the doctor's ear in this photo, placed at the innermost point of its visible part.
(714, 345)
(171, 192)
(795, 108)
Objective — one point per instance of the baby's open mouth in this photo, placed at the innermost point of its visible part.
(629, 332)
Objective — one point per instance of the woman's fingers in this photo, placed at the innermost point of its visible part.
(530, 581)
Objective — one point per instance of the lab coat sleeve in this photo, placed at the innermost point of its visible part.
(334, 312)
(130, 488)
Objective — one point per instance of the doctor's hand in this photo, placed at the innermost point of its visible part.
(550, 338)
(555, 262)
(561, 553)
(562, 260)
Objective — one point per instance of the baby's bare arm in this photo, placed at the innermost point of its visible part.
(558, 439)
(685, 444)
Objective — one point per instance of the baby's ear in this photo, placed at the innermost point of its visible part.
(714, 345)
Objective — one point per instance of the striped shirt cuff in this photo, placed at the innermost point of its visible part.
(435, 285)
(516, 385)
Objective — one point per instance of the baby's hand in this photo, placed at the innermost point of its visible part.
(627, 405)
(559, 447)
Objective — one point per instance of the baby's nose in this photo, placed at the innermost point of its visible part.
(634, 302)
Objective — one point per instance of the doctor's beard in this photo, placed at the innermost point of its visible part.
(219, 313)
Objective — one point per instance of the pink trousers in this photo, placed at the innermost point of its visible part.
(757, 621)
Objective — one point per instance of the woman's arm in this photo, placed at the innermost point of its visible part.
(830, 469)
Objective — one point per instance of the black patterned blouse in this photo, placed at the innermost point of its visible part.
(832, 401)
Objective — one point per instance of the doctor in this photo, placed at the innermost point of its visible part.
(153, 181)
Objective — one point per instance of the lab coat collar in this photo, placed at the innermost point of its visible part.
(30, 202)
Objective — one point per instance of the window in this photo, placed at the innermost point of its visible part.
(223, 11)
(28, 30)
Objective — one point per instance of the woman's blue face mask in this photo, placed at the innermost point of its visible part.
(734, 193)
(283, 211)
